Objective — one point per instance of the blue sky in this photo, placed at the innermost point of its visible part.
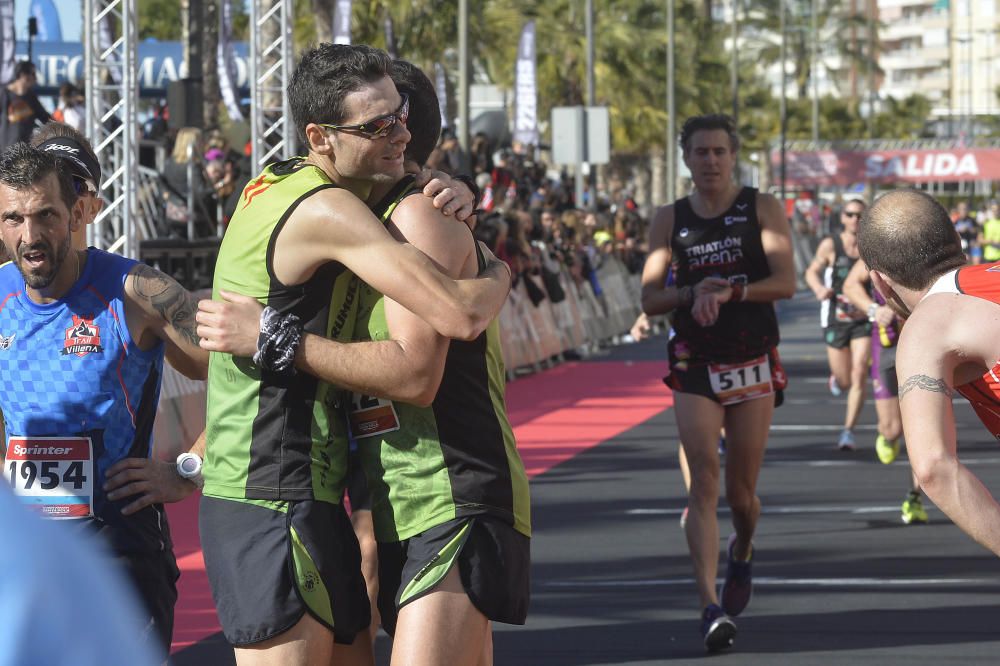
(70, 15)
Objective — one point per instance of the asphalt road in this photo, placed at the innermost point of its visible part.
(839, 578)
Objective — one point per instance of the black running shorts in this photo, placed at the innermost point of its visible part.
(729, 383)
(268, 566)
(839, 335)
(494, 561)
(357, 483)
(154, 576)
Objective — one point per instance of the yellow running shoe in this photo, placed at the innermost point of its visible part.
(886, 449)
(913, 510)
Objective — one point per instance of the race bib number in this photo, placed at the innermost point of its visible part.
(845, 310)
(370, 416)
(52, 475)
(739, 382)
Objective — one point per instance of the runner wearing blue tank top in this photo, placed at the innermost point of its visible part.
(83, 335)
(730, 249)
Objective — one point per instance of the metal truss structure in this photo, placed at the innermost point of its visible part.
(110, 63)
(272, 132)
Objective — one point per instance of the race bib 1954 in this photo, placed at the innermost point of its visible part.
(52, 475)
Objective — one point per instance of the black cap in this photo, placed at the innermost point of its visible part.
(82, 162)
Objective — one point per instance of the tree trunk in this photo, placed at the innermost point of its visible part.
(323, 10)
(211, 95)
(658, 178)
(641, 179)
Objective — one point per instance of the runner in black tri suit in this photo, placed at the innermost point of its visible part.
(846, 329)
(731, 251)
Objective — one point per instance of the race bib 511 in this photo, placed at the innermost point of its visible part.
(52, 475)
(739, 382)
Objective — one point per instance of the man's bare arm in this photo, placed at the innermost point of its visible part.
(822, 259)
(150, 481)
(657, 297)
(776, 238)
(157, 306)
(408, 367)
(334, 225)
(926, 365)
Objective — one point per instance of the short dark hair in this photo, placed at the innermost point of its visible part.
(425, 112)
(909, 237)
(326, 75)
(710, 121)
(24, 67)
(22, 166)
(854, 200)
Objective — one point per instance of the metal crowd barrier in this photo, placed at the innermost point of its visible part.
(532, 337)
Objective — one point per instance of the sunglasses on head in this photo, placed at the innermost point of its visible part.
(377, 127)
(82, 187)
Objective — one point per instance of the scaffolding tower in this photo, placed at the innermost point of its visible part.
(110, 63)
(272, 133)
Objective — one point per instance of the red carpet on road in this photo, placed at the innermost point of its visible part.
(556, 415)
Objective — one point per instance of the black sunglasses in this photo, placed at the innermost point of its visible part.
(852, 213)
(378, 127)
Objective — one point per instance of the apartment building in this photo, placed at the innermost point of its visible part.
(945, 50)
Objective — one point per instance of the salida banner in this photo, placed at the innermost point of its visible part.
(840, 167)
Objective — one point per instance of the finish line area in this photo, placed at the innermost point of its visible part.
(838, 577)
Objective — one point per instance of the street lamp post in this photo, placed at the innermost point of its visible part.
(815, 70)
(671, 108)
(463, 77)
(735, 64)
(783, 110)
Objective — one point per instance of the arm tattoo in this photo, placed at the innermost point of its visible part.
(926, 383)
(175, 305)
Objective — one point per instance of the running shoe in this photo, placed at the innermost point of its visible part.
(835, 390)
(684, 518)
(913, 510)
(717, 629)
(886, 449)
(738, 586)
(846, 441)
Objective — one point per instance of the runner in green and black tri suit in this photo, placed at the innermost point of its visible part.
(273, 470)
(449, 490)
(730, 249)
(448, 485)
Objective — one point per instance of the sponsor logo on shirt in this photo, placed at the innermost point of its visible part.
(82, 338)
(6, 341)
(735, 219)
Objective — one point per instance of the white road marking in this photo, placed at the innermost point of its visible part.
(775, 581)
(812, 427)
(781, 510)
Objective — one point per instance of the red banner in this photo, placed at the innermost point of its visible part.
(843, 167)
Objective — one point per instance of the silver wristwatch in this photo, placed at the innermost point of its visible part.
(871, 311)
(189, 467)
